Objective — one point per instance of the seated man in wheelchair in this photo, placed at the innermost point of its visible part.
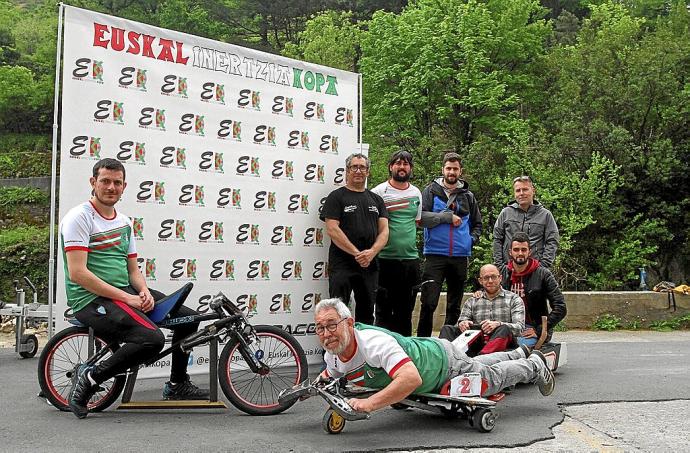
(377, 358)
(107, 292)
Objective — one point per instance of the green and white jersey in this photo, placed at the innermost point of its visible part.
(109, 243)
(380, 353)
(404, 208)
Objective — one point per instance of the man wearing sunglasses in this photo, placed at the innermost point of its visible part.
(357, 223)
(375, 357)
(529, 216)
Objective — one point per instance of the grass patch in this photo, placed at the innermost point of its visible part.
(607, 322)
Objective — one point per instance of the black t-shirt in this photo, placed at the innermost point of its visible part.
(358, 214)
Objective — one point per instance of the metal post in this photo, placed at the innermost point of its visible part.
(213, 370)
(19, 320)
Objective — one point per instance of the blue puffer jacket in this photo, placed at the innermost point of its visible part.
(440, 236)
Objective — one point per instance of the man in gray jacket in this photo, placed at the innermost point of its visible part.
(527, 215)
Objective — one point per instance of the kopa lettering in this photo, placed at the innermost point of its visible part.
(121, 40)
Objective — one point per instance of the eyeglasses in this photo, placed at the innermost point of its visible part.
(330, 327)
(358, 168)
(522, 178)
(491, 277)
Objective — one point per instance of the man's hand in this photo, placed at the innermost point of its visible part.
(477, 294)
(456, 221)
(147, 301)
(489, 326)
(361, 405)
(365, 257)
(529, 333)
(464, 325)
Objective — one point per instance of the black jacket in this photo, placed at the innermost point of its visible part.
(541, 286)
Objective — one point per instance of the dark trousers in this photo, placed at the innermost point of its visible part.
(140, 338)
(363, 282)
(500, 340)
(396, 295)
(439, 268)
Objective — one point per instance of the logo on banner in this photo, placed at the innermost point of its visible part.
(247, 166)
(292, 270)
(339, 176)
(211, 232)
(265, 135)
(314, 174)
(211, 162)
(125, 154)
(282, 106)
(109, 111)
(222, 270)
(174, 157)
(220, 61)
(138, 227)
(172, 230)
(152, 118)
(79, 147)
(147, 266)
(139, 44)
(281, 303)
(313, 237)
(192, 124)
(258, 270)
(151, 192)
(183, 269)
(247, 234)
(320, 271)
(132, 78)
(213, 93)
(314, 81)
(230, 130)
(343, 115)
(265, 201)
(298, 203)
(282, 169)
(298, 139)
(87, 70)
(314, 111)
(174, 86)
(249, 99)
(329, 144)
(229, 198)
(191, 195)
(310, 301)
(282, 235)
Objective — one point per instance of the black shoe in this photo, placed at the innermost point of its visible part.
(184, 391)
(82, 390)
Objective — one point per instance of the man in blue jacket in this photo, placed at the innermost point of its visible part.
(452, 225)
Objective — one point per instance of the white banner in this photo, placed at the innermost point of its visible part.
(229, 153)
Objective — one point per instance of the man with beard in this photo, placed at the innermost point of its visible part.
(375, 357)
(357, 223)
(499, 312)
(399, 259)
(106, 291)
(536, 285)
(529, 216)
(452, 225)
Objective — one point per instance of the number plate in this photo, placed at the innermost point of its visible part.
(468, 384)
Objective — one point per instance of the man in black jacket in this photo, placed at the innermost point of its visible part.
(536, 285)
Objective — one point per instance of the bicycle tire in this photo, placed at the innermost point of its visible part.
(257, 394)
(63, 352)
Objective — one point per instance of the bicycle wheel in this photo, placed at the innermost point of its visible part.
(254, 393)
(57, 362)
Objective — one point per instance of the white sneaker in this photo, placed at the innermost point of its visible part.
(546, 380)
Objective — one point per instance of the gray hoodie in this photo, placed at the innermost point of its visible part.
(537, 222)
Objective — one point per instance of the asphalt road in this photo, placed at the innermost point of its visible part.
(606, 373)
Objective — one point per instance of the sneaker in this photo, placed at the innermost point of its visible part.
(184, 391)
(82, 390)
(545, 380)
(526, 350)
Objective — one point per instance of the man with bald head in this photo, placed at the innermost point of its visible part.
(499, 312)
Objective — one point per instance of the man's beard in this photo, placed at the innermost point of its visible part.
(401, 178)
(342, 345)
(519, 261)
(447, 180)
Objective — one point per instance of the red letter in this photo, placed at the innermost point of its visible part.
(166, 52)
(148, 39)
(117, 42)
(98, 32)
(179, 58)
(133, 42)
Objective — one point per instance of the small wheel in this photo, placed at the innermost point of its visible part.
(332, 422)
(484, 420)
(33, 342)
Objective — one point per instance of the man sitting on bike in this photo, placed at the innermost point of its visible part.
(375, 357)
(106, 291)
